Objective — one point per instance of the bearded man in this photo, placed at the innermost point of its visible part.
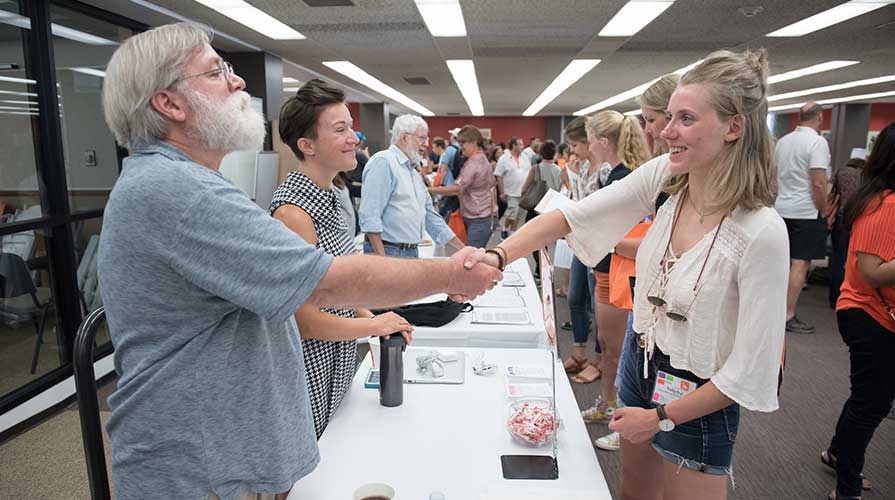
(200, 286)
(395, 207)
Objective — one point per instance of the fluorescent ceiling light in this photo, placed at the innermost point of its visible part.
(362, 77)
(27, 94)
(861, 97)
(810, 70)
(27, 103)
(830, 17)
(629, 94)
(20, 113)
(633, 17)
(254, 18)
(573, 72)
(291, 89)
(90, 71)
(289, 79)
(463, 71)
(634, 112)
(18, 108)
(58, 30)
(836, 100)
(831, 88)
(443, 17)
(17, 80)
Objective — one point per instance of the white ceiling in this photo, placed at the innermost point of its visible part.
(519, 46)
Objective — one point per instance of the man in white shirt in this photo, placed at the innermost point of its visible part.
(511, 171)
(803, 157)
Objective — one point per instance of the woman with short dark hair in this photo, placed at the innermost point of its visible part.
(316, 125)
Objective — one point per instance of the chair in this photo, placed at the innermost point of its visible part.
(19, 300)
(88, 405)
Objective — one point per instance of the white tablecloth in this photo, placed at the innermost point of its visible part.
(447, 438)
(462, 332)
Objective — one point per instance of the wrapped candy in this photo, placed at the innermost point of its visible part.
(532, 422)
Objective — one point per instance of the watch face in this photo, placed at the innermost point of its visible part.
(666, 425)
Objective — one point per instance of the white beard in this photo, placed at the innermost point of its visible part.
(230, 125)
(415, 157)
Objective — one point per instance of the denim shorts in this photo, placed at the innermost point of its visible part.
(704, 444)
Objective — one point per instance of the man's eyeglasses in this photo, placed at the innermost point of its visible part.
(225, 69)
(657, 299)
(423, 138)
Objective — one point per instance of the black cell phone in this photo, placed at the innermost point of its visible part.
(529, 467)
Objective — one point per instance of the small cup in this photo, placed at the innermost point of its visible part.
(374, 491)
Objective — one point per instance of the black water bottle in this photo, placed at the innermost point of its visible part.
(391, 370)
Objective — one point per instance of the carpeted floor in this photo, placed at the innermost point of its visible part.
(776, 456)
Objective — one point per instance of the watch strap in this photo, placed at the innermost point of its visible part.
(661, 411)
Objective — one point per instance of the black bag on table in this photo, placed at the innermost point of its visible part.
(433, 314)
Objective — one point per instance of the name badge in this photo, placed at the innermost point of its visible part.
(669, 388)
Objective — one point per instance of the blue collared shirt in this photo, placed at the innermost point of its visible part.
(200, 287)
(396, 203)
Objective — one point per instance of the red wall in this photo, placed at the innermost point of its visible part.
(502, 127)
(354, 109)
(881, 114)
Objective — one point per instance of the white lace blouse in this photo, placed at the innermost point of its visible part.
(735, 328)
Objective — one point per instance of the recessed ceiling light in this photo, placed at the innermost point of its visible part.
(633, 17)
(16, 80)
(571, 74)
(57, 29)
(18, 108)
(836, 100)
(634, 112)
(463, 71)
(830, 17)
(629, 94)
(27, 94)
(443, 18)
(289, 79)
(27, 103)
(810, 70)
(253, 18)
(831, 88)
(862, 97)
(348, 69)
(291, 89)
(90, 71)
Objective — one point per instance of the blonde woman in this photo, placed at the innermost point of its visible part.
(618, 141)
(711, 280)
(654, 110)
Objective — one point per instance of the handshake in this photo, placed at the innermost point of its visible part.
(475, 272)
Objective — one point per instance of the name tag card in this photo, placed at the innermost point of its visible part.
(669, 388)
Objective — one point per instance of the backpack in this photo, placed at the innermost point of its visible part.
(457, 162)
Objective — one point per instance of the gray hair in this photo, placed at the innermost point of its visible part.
(143, 65)
(406, 124)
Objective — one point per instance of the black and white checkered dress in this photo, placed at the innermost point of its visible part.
(330, 366)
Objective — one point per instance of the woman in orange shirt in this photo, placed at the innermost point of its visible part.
(865, 315)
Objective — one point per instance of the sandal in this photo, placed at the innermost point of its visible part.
(573, 364)
(830, 461)
(588, 375)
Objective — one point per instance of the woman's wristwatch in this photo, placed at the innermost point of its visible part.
(665, 423)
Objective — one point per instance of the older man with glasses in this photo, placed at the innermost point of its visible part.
(200, 286)
(395, 208)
